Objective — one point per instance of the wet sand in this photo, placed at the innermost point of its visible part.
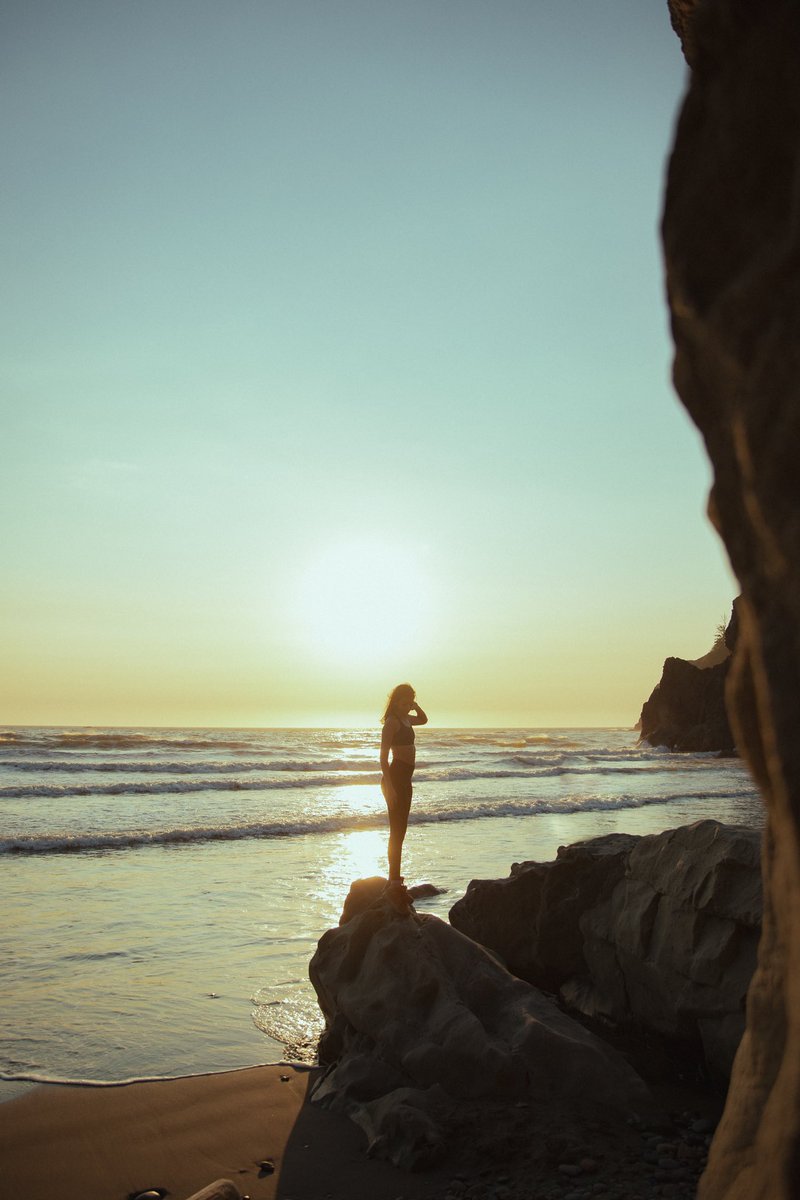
(105, 1143)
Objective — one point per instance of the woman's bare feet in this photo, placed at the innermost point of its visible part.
(398, 896)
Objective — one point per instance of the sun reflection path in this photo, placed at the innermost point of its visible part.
(287, 1011)
(355, 855)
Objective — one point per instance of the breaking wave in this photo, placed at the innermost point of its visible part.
(65, 843)
(98, 739)
(73, 766)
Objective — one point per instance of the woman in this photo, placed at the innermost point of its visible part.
(397, 739)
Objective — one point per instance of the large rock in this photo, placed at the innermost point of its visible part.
(532, 919)
(657, 933)
(730, 230)
(420, 1019)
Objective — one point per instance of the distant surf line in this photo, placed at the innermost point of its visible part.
(293, 777)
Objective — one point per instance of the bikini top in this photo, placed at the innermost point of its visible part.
(403, 735)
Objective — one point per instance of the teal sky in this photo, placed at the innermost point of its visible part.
(336, 354)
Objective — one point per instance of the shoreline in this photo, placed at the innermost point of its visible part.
(13, 1088)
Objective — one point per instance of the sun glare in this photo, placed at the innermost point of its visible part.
(365, 601)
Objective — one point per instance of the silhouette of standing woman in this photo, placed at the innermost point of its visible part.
(397, 739)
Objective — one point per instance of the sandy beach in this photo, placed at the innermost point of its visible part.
(179, 1135)
(105, 1143)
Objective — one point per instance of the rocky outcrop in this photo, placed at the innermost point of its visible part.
(681, 13)
(421, 1020)
(657, 933)
(686, 710)
(730, 232)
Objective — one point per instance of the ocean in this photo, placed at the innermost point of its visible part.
(164, 889)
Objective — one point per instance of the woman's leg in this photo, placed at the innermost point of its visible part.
(398, 821)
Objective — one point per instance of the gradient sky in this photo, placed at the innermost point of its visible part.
(337, 354)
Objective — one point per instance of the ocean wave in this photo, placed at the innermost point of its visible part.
(541, 767)
(115, 740)
(57, 842)
(314, 776)
(172, 787)
(74, 766)
(132, 787)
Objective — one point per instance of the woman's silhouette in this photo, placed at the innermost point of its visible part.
(397, 739)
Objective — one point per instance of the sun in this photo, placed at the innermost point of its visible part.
(363, 600)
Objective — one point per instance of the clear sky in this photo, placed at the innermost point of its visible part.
(336, 355)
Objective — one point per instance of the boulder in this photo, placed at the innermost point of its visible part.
(421, 1020)
(657, 933)
(532, 919)
(730, 234)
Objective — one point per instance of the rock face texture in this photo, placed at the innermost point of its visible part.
(731, 233)
(681, 12)
(420, 1019)
(658, 933)
(687, 710)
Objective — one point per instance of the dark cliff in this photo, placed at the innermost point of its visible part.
(730, 235)
(686, 709)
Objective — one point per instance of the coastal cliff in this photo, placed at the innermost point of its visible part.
(686, 709)
(730, 247)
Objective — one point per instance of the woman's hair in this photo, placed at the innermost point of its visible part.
(402, 689)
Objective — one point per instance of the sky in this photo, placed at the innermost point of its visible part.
(336, 355)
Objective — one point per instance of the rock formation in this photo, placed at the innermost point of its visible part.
(730, 230)
(681, 13)
(420, 1021)
(686, 710)
(657, 933)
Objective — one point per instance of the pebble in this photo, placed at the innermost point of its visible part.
(703, 1125)
(570, 1169)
